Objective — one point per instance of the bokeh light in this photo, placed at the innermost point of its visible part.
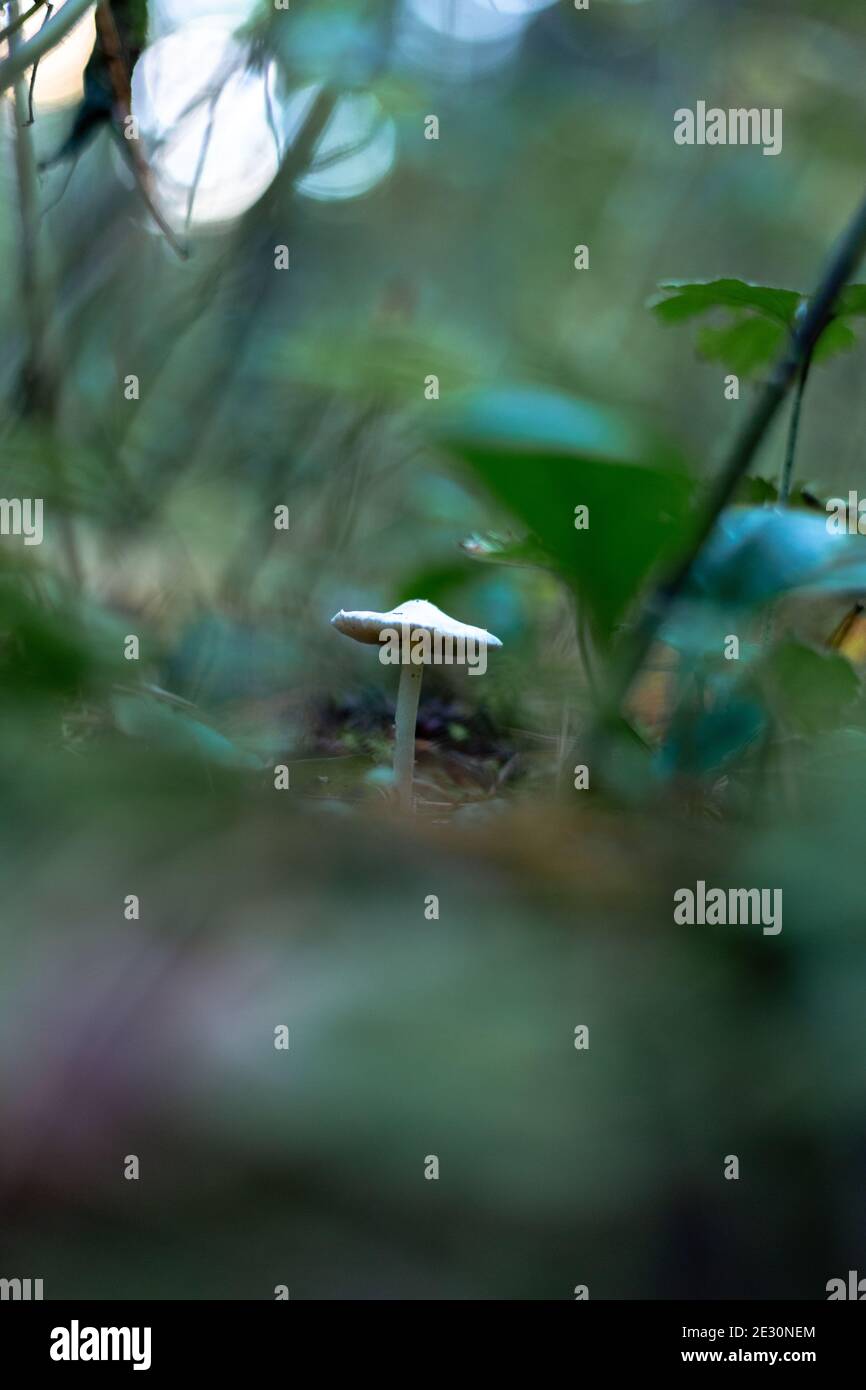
(457, 41)
(215, 143)
(356, 151)
(164, 16)
(518, 7)
(212, 127)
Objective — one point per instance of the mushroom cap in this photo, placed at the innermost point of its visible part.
(365, 626)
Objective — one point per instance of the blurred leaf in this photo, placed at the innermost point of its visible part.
(700, 740)
(755, 491)
(533, 418)
(171, 730)
(542, 455)
(698, 627)
(506, 550)
(438, 583)
(216, 659)
(382, 362)
(628, 762)
(813, 689)
(756, 553)
(42, 653)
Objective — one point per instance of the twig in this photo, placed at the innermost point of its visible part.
(49, 207)
(793, 432)
(139, 172)
(584, 646)
(29, 53)
(269, 116)
(39, 383)
(200, 162)
(563, 743)
(120, 78)
(30, 117)
(16, 24)
(34, 375)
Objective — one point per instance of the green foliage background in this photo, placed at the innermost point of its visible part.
(455, 1037)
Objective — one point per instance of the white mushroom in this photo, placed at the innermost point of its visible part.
(414, 635)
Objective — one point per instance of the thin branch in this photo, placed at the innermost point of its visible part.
(299, 158)
(27, 54)
(563, 743)
(34, 375)
(200, 162)
(30, 117)
(793, 432)
(139, 172)
(584, 646)
(38, 377)
(844, 261)
(49, 207)
(121, 78)
(269, 116)
(16, 24)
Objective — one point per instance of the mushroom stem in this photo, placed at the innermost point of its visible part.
(408, 695)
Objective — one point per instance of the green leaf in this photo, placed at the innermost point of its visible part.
(679, 300)
(542, 455)
(837, 337)
(852, 301)
(813, 689)
(44, 653)
(743, 346)
(764, 315)
(755, 491)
